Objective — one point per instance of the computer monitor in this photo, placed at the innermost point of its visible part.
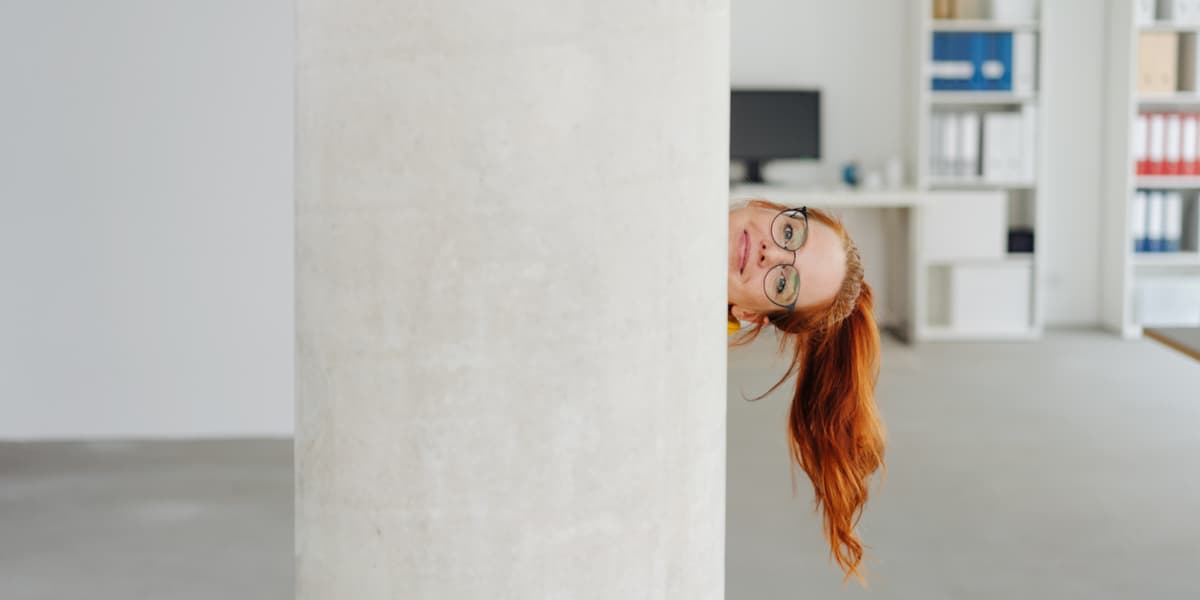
(771, 124)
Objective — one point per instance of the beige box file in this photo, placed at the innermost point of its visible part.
(1157, 61)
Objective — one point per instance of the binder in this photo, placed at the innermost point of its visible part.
(1173, 145)
(1141, 127)
(1155, 221)
(1014, 10)
(1195, 168)
(1002, 161)
(935, 144)
(1024, 62)
(1028, 143)
(1143, 12)
(969, 147)
(1187, 154)
(1157, 144)
(1157, 61)
(1137, 221)
(951, 136)
(995, 60)
(1172, 221)
(936, 62)
(953, 65)
(948, 9)
(973, 46)
(1179, 12)
(1189, 63)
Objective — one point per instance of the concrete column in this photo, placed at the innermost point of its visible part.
(510, 266)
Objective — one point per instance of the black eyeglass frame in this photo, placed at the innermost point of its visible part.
(790, 212)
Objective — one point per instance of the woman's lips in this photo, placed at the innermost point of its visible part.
(745, 252)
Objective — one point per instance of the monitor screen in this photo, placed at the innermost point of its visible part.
(766, 124)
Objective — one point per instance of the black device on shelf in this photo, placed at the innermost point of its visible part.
(772, 124)
(1020, 239)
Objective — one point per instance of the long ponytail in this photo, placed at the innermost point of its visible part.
(834, 429)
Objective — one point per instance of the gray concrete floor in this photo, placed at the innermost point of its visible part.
(155, 520)
(1068, 468)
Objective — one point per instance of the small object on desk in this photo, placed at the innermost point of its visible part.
(850, 174)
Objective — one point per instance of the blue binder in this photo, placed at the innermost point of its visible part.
(972, 60)
(955, 65)
(996, 62)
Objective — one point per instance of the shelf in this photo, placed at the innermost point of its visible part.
(977, 183)
(1169, 99)
(1169, 27)
(1167, 182)
(981, 97)
(829, 197)
(1167, 259)
(981, 25)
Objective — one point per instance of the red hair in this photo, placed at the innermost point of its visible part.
(834, 429)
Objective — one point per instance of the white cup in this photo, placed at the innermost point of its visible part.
(893, 172)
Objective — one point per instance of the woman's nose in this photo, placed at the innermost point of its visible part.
(771, 255)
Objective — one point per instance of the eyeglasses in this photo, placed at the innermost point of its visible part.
(789, 230)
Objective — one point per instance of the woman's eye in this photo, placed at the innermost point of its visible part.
(780, 285)
(787, 233)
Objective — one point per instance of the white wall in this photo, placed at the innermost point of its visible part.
(857, 52)
(146, 228)
(1074, 122)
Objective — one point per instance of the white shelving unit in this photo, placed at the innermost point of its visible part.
(1122, 268)
(936, 275)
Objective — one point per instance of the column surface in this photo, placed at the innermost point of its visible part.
(511, 237)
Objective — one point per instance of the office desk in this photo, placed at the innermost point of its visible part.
(1183, 339)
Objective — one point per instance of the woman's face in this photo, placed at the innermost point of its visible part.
(821, 262)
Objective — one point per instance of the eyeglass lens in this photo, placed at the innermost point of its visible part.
(782, 283)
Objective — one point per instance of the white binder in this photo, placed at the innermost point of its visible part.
(1187, 153)
(969, 147)
(951, 143)
(1173, 221)
(1140, 126)
(1157, 141)
(935, 144)
(1174, 143)
(1028, 145)
(1002, 161)
(1137, 220)
(1024, 62)
(1155, 220)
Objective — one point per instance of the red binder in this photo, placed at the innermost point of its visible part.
(1141, 144)
(1156, 145)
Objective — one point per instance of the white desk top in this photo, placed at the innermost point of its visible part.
(832, 197)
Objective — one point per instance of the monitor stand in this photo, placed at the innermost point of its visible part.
(753, 171)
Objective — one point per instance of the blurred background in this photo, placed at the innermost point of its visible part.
(1021, 176)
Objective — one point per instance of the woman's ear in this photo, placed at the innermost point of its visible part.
(748, 316)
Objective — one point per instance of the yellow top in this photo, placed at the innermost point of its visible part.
(734, 326)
